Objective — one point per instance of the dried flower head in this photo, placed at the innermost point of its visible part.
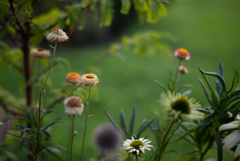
(107, 139)
(137, 147)
(73, 105)
(89, 80)
(182, 69)
(40, 53)
(73, 78)
(57, 35)
(179, 106)
(233, 138)
(182, 54)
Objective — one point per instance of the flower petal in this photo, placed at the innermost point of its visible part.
(237, 151)
(231, 139)
(229, 126)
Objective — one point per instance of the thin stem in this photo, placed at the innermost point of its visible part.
(175, 78)
(207, 148)
(163, 139)
(50, 66)
(85, 123)
(69, 137)
(39, 117)
(39, 64)
(73, 88)
(136, 157)
(72, 137)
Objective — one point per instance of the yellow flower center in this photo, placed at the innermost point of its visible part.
(40, 49)
(136, 144)
(73, 74)
(181, 104)
(89, 76)
(183, 50)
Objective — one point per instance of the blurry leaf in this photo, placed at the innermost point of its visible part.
(82, 19)
(53, 153)
(50, 124)
(219, 77)
(182, 86)
(49, 17)
(107, 12)
(209, 118)
(234, 83)
(24, 140)
(32, 116)
(219, 87)
(143, 127)
(26, 129)
(131, 126)
(123, 121)
(174, 151)
(205, 91)
(14, 117)
(47, 112)
(219, 145)
(126, 5)
(221, 68)
(214, 102)
(26, 5)
(187, 92)
(161, 85)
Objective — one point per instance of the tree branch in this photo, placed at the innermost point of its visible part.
(14, 65)
(11, 110)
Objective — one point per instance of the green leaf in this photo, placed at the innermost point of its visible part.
(123, 121)
(24, 140)
(112, 121)
(208, 118)
(107, 11)
(234, 83)
(161, 85)
(218, 76)
(205, 90)
(26, 129)
(49, 17)
(221, 68)
(126, 5)
(14, 117)
(48, 112)
(182, 86)
(219, 87)
(219, 145)
(131, 126)
(31, 116)
(142, 128)
(26, 5)
(214, 102)
(52, 153)
(50, 124)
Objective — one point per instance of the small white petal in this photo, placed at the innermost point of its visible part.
(237, 151)
(231, 139)
(238, 116)
(132, 150)
(229, 126)
(137, 152)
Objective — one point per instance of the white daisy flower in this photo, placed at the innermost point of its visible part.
(57, 35)
(233, 138)
(181, 107)
(137, 147)
(40, 53)
(89, 80)
(73, 105)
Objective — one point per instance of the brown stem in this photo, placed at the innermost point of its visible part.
(11, 110)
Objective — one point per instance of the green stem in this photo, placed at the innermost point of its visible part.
(85, 123)
(175, 78)
(69, 137)
(72, 137)
(163, 139)
(73, 87)
(207, 148)
(39, 117)
(39, 64)
(50, 66)
(136, 157)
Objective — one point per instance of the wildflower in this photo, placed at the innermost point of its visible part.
(107, 139)
(180, 107)
(73, 78)
(137, 147)
(57, 35)
(233, 138)
(182, 54)
(40, 53)
(73, 105)
(182, 69)
(89, 80)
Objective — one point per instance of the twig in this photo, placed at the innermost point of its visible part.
(11, 110)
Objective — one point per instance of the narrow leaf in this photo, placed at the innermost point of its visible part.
(219, 145)
(24, 140)
(107, 12)
(209, 118)
(131, 126)
(141, 129)
(14, 117)
(22, 132)
(161, 85)
(182, 86)
(126, 5)
(205, 90)
(221, 68)
(123, 121)
(50, 124)
(48, 112)
(234, 83)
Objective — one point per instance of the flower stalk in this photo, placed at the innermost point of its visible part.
(72, 127)
(86, 122)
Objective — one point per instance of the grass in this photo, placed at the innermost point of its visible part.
(208, 29)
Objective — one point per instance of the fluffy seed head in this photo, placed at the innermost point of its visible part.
(57, 35)
(107, 139)
(73, 105)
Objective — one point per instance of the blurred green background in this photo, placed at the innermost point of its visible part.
(209, 30)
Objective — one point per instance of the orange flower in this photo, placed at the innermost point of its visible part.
(73, 78)
(182, 54)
